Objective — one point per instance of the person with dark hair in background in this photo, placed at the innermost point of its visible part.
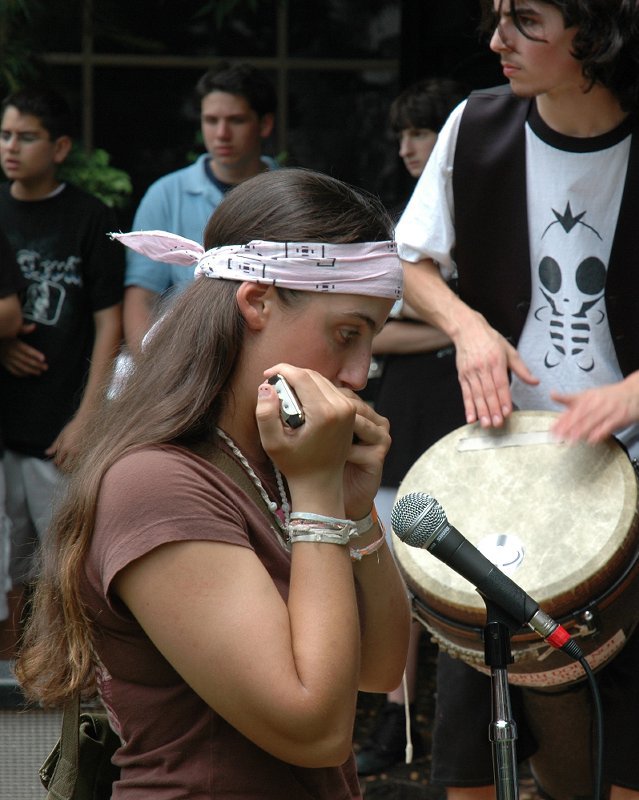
(237, 112)
(53, 371)
(530, 199)
(11, 285)
(418, 393)
(222, 577)
(418, 114)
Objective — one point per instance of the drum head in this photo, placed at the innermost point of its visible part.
(557, 518)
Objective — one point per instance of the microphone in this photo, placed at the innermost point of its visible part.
(419, 521)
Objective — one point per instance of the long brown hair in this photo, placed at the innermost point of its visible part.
(173, 394)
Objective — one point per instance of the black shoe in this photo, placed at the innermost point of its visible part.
(387, 743)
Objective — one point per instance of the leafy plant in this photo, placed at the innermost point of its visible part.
(224, 8)
(93, 173)
(16, 62)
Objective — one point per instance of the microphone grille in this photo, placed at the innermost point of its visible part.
(416, 517)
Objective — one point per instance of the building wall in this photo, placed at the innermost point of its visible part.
(129, 68)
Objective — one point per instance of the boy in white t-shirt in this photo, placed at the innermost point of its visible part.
(528, 200)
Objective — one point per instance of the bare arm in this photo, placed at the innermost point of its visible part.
(108, 337)
(383, 600)
(400, 337)
(20, 358)
(484, 356)
(283, 673)
(139, 307)
(10, 316)
(597, 413)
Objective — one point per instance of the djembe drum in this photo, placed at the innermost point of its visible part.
(559, 519)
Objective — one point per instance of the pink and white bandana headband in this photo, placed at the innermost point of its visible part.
(367, 268)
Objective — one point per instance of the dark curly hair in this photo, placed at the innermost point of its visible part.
(426, 104)
(45, 103)
(244, 80)
(606, 42)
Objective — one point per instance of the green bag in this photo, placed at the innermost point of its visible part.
(79, 766)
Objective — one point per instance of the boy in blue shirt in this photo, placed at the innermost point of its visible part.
(237, 106)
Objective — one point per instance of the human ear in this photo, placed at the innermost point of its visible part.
(267, 121)
(254, 301)
(61, 148)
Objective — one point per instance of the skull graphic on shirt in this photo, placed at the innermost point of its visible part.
(573, 291)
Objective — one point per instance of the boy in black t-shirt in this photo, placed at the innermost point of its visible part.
(54, 369)
(11, 283)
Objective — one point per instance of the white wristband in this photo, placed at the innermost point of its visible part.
(366, 523)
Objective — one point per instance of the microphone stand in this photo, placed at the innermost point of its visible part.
(502, 731)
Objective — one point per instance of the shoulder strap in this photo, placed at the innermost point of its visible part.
(225, 463)
(64, 778)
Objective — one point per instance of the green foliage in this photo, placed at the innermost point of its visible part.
(93, 173)
(223, 8)
(17, 65)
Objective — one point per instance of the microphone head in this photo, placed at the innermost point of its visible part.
(416, 517)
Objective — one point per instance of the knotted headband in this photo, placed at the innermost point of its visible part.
(366, 268)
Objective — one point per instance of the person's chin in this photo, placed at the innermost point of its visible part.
(521, 88)
(414, 171)
(522, 91)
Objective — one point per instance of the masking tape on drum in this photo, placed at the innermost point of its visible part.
(497, 440)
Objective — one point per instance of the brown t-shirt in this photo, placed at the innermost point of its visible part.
(174, 744)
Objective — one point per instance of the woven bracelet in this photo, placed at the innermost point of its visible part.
(364, 524)
(306, 516)
(337, 534)
(357, 553)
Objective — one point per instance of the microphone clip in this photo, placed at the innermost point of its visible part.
(496, 634)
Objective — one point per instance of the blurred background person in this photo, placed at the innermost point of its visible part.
(11, 285)
(237, 113)
(53, 369)
(418, 393)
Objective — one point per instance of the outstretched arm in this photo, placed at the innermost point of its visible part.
(403, 338)
(595, 414)
(484, 356)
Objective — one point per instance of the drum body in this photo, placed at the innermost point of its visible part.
(561, 520)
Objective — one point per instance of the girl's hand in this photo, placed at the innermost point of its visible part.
(363, 471)
(313, 456)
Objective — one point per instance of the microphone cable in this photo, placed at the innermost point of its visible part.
(419, 521)
(597, 733)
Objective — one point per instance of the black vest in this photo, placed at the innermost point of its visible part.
(491, 225)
